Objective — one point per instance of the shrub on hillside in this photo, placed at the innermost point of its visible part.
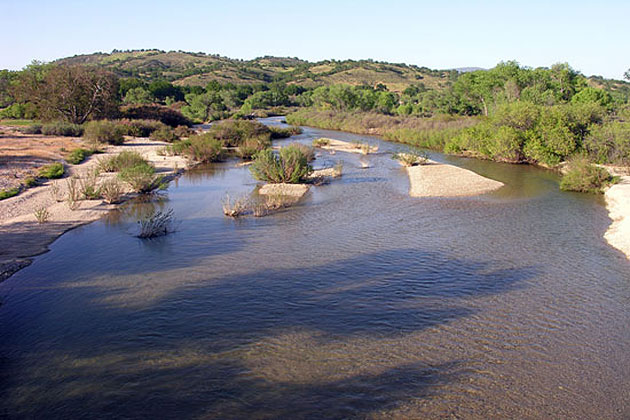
(103, 131)
(582, 176)
(290, 165)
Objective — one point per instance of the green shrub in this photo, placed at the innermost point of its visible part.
(141, 178)
(582, 176)
(306, 150)
(31, 129)
(139, 128)
(103, 132)
(52, 171)
(609, 143)
(290, 165)
(284, 132)
(200, 148)
(183, 131)
(30, 181)
(253, 145)
(233, 133)
(123, 160)
(62, 128)
(4, 194)
(411, 158)
(164, 134)
(77, 156)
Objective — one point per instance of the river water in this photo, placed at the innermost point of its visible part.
(358, 302)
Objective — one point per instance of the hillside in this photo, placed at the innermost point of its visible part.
(184, 68)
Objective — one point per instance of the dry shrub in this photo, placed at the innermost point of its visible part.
(235, 208)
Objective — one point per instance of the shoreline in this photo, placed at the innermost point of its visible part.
(618, 206)
(24, 238)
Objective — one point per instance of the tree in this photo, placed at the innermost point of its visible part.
(627, 74)
(71, 93)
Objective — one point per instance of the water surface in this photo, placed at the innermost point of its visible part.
(358, 302)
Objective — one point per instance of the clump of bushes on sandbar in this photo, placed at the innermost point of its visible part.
(104, 131)
(290, 165)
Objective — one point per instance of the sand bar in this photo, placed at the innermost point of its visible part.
(345, 146)
(20, 234)
(618, 205)
(441, 180)
(293, 190)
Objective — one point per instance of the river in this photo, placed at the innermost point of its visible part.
(359, 302)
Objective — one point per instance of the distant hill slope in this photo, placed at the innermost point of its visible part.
(185, 68)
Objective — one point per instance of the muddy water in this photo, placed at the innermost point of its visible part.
(358, 302)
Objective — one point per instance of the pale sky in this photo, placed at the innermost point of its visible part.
(593, 37)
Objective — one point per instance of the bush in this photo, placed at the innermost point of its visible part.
(234, 133)
(163, 114)
(122, 160)
(200, 148)
(289, 166)
(62, 128)
(52, 171)
(582, 176)
(141, 178)
(77, 156)
(30, 182)
(157, 224)
(284, 132)
(183, 131)
(4, 194)
(164, 134)
(253, 145)
(411, 158)
(103, 131)
(321, 142)
(31, 129)
(111, 191)
(609, 143)
(307, 151)
(139, 128)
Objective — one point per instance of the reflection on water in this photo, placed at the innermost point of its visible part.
(358, 302)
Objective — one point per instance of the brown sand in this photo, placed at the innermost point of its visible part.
(440, 180)
(293, 190)
(618, 204)
(20, 234)
(344, 146)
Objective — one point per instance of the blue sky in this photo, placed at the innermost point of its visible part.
(593, 37)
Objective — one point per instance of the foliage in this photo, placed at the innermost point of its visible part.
(52, 171)
(160, 113)
(164, 134)
(138, 96)
(582, 176)
(235, 208)
(284, 132)
(88, 189)
(139, 128)
(411, 158)
(31, 129)
(68, 92)
(30, 181)
(321, 142)
(123, 160)
(41, 214)
(290, 165)
(141, 178)
(62, 128)
(111, 191)
(233, 133)
(4, 194)
(103, 132)
(74, 195)
(157, 224)
(609, 143)
(200, 148)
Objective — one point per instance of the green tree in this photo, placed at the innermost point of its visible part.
(138, 95)
(71, 93)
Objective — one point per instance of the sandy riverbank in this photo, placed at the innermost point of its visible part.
(435, 179)
(618, 205)
(344, 146)
(20, 234)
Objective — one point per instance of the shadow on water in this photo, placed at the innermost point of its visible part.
(200, 359)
